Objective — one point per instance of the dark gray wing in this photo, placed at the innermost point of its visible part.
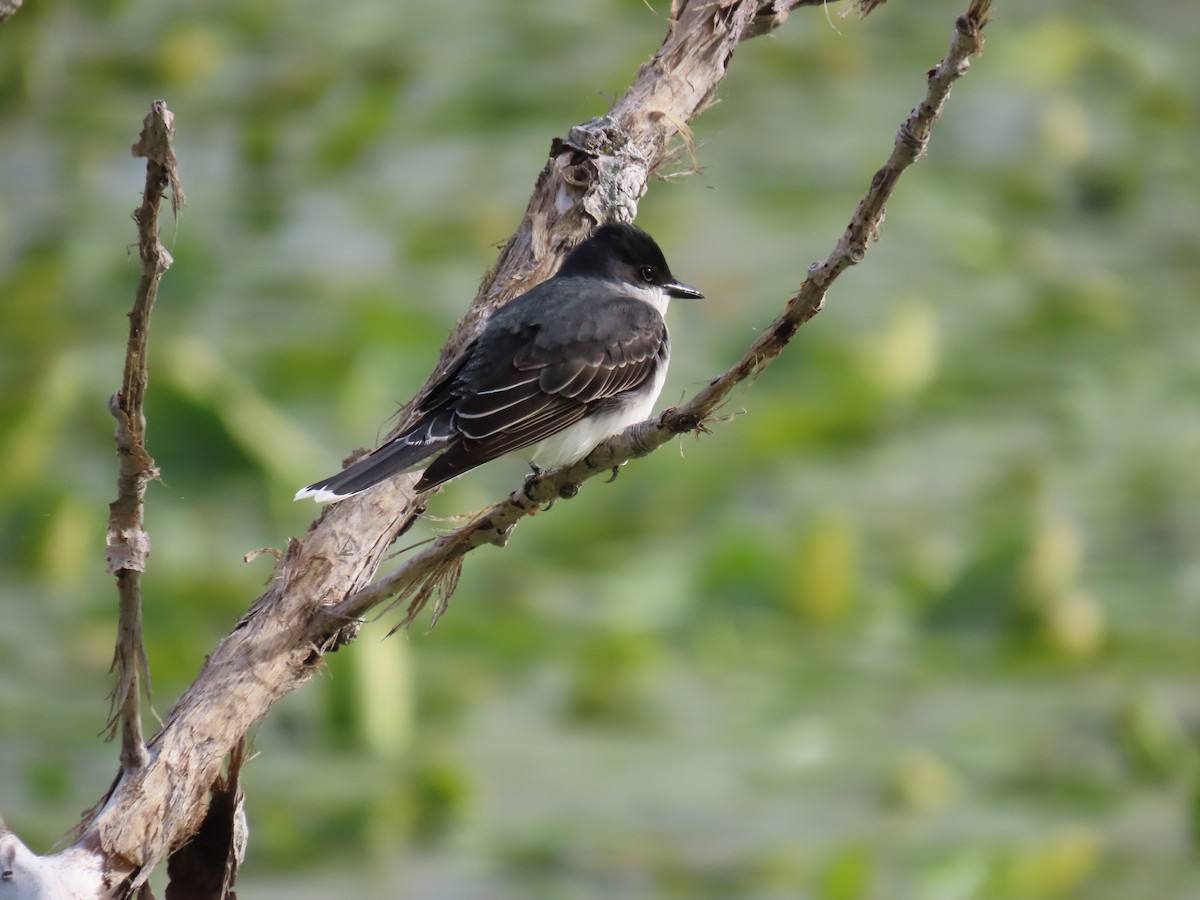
(532, 375)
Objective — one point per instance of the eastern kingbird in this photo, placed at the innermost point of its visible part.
(573, 361)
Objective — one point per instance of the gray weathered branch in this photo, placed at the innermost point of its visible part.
(128, 545)
(598, 173)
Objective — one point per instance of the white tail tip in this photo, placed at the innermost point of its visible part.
(321, 495)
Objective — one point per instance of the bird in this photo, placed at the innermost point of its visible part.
(571, 362)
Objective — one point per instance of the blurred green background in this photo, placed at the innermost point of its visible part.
(919, 621)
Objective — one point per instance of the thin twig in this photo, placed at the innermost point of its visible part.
(436, 569)
(128, 543)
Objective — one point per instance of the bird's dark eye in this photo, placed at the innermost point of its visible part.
(647, 273)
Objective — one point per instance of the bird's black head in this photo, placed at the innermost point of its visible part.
(625, 253)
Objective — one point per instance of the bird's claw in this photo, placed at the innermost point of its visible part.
(531, 480)
(536, 472)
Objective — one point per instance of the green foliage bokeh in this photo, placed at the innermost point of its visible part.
(917, 621)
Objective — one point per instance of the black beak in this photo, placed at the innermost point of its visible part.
(682, 291)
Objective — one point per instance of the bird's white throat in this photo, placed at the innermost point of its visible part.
(650, 293)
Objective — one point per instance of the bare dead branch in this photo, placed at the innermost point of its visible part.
(128, 543)
(597, 173)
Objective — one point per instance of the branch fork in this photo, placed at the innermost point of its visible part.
(326, 581)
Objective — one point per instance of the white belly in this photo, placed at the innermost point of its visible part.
(577, 441)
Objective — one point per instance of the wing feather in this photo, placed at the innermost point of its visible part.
(559, 368)
(467, 453)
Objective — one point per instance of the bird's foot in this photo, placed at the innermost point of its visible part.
(616, 470)
(535, 474)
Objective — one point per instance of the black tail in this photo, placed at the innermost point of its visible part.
(394, 457)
